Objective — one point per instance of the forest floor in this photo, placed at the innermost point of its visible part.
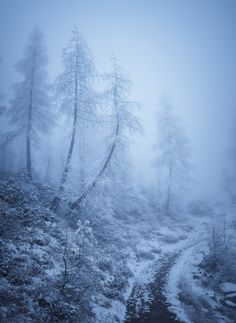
(176, 292)
(117, 269)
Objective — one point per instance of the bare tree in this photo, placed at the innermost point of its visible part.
(30, 106)
(74, 93)
(173, 154)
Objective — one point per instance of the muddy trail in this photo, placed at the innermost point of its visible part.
(153, 309)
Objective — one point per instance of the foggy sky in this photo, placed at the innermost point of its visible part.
(184, 48)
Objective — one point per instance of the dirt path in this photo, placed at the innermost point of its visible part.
(154, 310)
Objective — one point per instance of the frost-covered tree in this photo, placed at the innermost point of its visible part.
(30, 106)
(173, 155)
(73, 91)
(123, 120)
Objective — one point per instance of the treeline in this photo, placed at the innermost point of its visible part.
(72, 101)
(73, 133)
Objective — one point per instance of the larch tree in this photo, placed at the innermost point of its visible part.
(30, 106)
(122, 120)
(173, 155)
(74, 93)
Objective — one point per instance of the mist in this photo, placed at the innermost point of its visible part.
(184, 49)
(118, 118)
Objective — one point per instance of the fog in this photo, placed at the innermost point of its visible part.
(185, 49)
(117, 161)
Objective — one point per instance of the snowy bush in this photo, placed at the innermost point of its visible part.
(220, 261)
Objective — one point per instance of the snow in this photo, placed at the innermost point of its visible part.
(179, 273)
(188, 254)
(185, 276)
(124, 260)
(228, 287)
(117, 311)
(230, 303)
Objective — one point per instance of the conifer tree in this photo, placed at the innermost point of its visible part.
(30, 106)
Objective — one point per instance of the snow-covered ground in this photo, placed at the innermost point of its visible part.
(119, 266)
(163, 242)
(190, 295)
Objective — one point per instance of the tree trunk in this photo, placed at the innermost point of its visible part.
(77, 202)
(48, 170)
(29, 127)
(56, 201)
(168, 198)
(167, 204)
(28, 146)
(81, 162)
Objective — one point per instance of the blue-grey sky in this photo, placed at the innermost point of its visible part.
(185, 48)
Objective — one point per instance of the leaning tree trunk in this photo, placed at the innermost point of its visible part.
(56, 201)
(78, 201)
